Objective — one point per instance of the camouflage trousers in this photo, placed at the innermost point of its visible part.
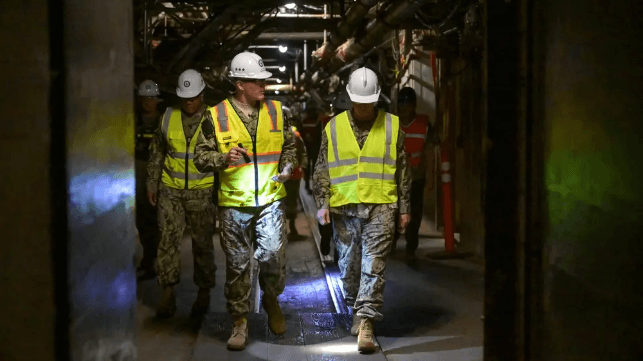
(363, 244)
(146, 218)
(292, 191)
(176, 208)
(244, 229)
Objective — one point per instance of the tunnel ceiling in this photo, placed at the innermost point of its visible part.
(205, 35)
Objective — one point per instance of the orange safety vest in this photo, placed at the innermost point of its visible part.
(415, 138)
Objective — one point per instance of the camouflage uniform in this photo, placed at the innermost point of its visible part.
(175, 207)
(292, 185)
(240, 226)
(363, 232)
(146, 219)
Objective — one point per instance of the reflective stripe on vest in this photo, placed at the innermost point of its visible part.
(366, 175)
(249, 184)
(179, 156)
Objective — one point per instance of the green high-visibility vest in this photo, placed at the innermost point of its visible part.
(364, 175)
(249, 184)
(179, 171)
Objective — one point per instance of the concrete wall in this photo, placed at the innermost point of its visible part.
(592, 106)
(99, 128)
(27, 307)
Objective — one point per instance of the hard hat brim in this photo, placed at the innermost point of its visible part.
(364, 99)
(262, 75)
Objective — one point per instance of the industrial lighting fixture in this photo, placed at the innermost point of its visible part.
(290, 6)
(283, 48)
(282, 68)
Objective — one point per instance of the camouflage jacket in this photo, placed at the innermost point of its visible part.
(321, 177)
(158, 147)
(207, 157)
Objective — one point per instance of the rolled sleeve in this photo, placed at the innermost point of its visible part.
(289, 149)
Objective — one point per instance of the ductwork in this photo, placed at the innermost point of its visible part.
(344, 29)
(392, 16)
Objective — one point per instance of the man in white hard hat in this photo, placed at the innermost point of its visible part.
(361, 181)
(184, 195)
(253, 148)
(147, 119)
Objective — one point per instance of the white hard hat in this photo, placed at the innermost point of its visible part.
(148, 88)
(191, 84)
(363, 86)
(248, 65)
(342, 101)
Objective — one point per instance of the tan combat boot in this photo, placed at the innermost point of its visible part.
(202, 304)
(168, 303)
(366, 338)
(356, 322)
(239, 338)
(276, 320)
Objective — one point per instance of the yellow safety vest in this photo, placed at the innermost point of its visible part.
(364, 175)
(249, 184)
(179, 171)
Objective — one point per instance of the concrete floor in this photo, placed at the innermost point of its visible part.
(432, 312)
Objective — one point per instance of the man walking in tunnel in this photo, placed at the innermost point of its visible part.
(184, 194)
(292, 187)
(147, 119)
(251, 145)
(361, 181)
(419, 134)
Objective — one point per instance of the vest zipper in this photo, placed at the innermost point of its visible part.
(254, 155)
(187, 153)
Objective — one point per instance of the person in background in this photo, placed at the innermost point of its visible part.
(419, 135)
(293, 185)
(184, 196)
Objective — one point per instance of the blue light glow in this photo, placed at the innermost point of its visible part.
(95, 193)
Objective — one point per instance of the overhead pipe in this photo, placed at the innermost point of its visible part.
(339, 35)
(291, 36)
(375, 29)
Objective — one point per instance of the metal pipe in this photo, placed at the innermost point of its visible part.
(280, 87)
(344, 29)
(305, 56)
(308, 16)
(375, 29)
(291, 36)
(263, 46)
(145, 40)
(325, 10)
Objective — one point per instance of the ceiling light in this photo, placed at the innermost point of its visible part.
(279, 81)
(290, 6)
(282, 68)
(276, 91)
(283, 48)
